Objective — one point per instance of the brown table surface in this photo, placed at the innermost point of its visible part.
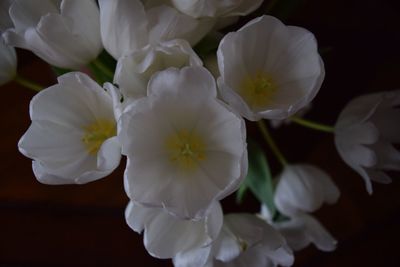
(43, 225)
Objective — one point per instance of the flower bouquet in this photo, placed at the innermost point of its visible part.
(189, 93)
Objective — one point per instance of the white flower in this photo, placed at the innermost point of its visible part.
(72, 138)
(364, 133)
(185, 148)
(66, 35)
(8, 63)
(127, 26)
(212, 8)
(303, 188)
(166, 235)
(134, 70)
(269, 70)
(301, 230)
(245, 240)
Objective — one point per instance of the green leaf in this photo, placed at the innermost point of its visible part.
(259, 179)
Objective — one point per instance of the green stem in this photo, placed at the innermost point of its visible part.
(103, 68)
(271, 143)
(27, 83)
(312, 125)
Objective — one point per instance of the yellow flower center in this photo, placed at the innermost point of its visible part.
(185, 149)
(258, 90)
(96, 133)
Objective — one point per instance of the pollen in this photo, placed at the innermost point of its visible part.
(186, 149)
(258, 90)
(96, 133)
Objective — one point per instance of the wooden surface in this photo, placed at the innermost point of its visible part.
(84, 225)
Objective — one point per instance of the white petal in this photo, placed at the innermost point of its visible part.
(305, 229)
(172, 79)
(193, 258)
(304, 188)
(109, 155)
(123, 26)
(25, 14)
(166, 23)
(83, 18)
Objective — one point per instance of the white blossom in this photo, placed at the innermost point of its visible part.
(364, 135)
(64, 33)
(129, 25)
(301, 230)
(166, 235)
(269, 70)
(304, 188)
(72, 137)
(134, 70)
(245, 240)
(185, 148)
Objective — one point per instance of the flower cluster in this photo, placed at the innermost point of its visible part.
(182, 126)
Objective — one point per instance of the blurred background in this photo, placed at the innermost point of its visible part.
(84, 225)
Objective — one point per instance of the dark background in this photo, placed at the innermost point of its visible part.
(44, 225)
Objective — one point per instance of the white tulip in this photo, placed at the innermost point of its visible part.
(64, 33)
(126, 26)
(8, 63)
(302, 230)
(304, 188)
(72, 137)
(134, 70)
(165, 235)
(185, 148)
(245, 240)
(269, 70)
(364, 135)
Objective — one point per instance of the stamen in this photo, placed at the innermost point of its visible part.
(96, 133)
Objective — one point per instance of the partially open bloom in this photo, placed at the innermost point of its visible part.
(245, 240)
(127, 25)
(8, 63)
(64, 33)
(165, 235)
(212, 8)
(304, 188)
(269, 70)
(301, 230)
(72, 137)
(185, 148)
(135, 69)
(364, 135)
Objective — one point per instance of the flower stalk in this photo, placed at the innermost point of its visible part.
(312, 125)
(28, 83)
(271, 143)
